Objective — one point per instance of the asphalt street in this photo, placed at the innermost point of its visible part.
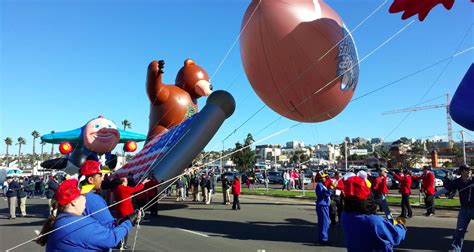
(263, 224)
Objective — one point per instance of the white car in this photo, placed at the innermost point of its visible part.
(438, 182)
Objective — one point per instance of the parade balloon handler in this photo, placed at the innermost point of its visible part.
(381, 191)
(92, 177)
(465, 186)
(363, 229)
(323, 194)
(428, 188)
(68, 230)
(236, 193)
(405, 190)
(123, 194)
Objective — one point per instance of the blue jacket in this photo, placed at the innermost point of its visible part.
(84, 235)
(370, 232)
(13, 188)
(94, 203)
(323, 195)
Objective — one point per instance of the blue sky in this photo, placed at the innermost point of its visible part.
(65, 62)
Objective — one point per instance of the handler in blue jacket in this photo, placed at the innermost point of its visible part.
(322, 209)
(363, 229)
(78, 234)
(94, 177)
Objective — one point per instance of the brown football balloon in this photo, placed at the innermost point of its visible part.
(299, 58)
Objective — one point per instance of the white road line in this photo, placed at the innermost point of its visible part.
(37, 232)
(192, 232)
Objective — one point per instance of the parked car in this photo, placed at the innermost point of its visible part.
(275, 177)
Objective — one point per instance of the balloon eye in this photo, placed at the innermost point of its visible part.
(96, 126)
(110, 126)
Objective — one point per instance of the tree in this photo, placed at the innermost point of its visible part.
(383, 154)
(244, 157)
(21, 141)
(126, 124)
(8, 142)
(35, 135)
(447, 164)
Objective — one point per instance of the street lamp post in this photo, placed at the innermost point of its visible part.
(345, 150)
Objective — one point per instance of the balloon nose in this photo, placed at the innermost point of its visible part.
(210, 87)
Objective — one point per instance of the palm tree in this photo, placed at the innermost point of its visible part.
(35, 135)
(42, 146)
(21, 141)
(126, 124)
(52, 145)
(8, 142)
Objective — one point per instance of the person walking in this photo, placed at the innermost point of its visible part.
(12, 196)
(73, 232)
(236, 193)
(381, 191)
(428, 188)
(286, 181)
(465, 186)
(22, 195)
(322, 209)
(405, 190)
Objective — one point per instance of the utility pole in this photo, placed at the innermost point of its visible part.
(463, 148)
(345, 150)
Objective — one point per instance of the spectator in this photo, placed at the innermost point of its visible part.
(52, 187)
(179, 189)
(428, 188)
(195, 182)
(465, 186)
(12, 194)
(225, 190)
(209, 188)
(22, 195)
(286, 181)
(236, 193)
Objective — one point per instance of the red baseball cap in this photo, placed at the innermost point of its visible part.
(356, 187)
(68, 190)
(91, 167)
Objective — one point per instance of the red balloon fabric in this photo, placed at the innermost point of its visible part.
(420, 7)
(299, 58)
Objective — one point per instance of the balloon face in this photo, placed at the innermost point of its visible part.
(462, 104)
(101, 135)
(299, 58)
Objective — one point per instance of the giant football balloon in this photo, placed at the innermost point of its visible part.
(462, 104)
(292, 58)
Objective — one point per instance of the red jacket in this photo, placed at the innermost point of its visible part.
(340, 186)
(122, 192)
(405, 183)
(150, 194)
(236, 187)
(428, 184)
(380, 185)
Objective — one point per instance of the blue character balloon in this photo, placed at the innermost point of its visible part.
(462, 104)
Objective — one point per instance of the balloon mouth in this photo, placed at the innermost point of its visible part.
(105, 135)
(203, 88)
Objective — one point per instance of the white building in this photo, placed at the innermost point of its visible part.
(327, 151)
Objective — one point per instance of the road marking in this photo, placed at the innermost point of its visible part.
(260, 250)
(37, 232)
(192, 232)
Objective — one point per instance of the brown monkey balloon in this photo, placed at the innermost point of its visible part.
(172, 104)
